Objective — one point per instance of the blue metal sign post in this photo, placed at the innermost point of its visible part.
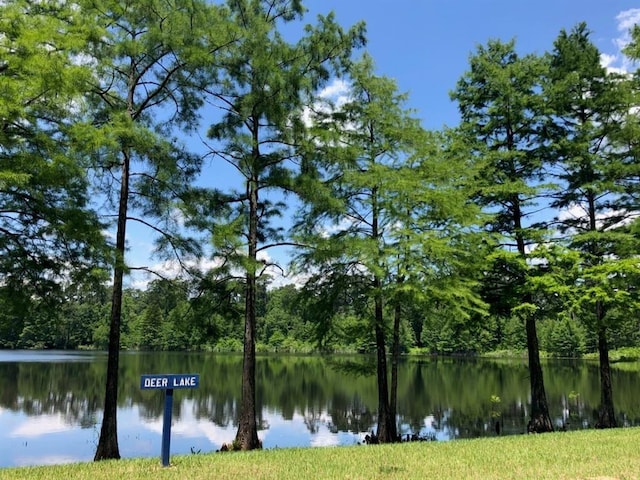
(167, 383)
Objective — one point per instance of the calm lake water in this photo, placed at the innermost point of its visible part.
(51, 402)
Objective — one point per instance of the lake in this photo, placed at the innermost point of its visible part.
(51, 402)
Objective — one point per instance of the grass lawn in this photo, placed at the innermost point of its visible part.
(592, 454)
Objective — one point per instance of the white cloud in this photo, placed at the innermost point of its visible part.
(280, 275)
(573, 212)
(171, 269)
(109, 235)
(190, 427)
(618, 62)
(609, 62)
(326, 230)
(324, 437)
(177, 216)
(627, 19)
(337, 91)
(280, 280)
(578, 211)
(41, 425)
(334, 89)
(82, 59)
(47, 460)
(331, 97)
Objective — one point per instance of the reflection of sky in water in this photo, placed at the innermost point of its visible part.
(41, 440)
(48, 356)
(49, 439)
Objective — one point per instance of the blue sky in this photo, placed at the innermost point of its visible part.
(425, 46)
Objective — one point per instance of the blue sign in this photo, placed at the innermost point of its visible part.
(167, 383)
(170, 381)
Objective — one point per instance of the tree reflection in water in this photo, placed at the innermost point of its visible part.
(299, 399)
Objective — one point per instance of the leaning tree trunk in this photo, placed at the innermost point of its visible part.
(540, 420)
(108, 441)
(247, 434)
(606, 413)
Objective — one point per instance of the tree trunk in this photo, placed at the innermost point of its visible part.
(108, 441)
(540, 420)
(395, 358)
(386, 422)
(247, 434)
(606, 414)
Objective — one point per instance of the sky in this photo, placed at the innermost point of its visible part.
(425, 46)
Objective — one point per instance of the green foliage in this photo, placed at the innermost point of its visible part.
(262, 86)
(49, 229)
(564, 337)
(512, 333)
(446, 333)
(402, 197)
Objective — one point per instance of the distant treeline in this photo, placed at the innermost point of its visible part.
(172, 315)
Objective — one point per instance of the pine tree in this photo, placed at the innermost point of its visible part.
(147, 58)
(502, 117)
(391, 230)
(587, 106)
(263, 84)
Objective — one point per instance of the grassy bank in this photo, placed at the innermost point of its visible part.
(593, 454)
(627, 354)
(620, 355)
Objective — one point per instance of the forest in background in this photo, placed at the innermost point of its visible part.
(173, 315)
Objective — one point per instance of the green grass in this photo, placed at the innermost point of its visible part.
(514, 354)
(593, 454)
(620, 355)
(626, 354)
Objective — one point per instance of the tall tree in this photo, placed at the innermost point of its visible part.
(48, 233)
(145, 57)
(501, 110)
(436, 242)
(362, 140)
(587, 107)
(265, 81)
(389, 227)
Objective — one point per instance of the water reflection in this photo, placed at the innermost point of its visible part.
(50, 402)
